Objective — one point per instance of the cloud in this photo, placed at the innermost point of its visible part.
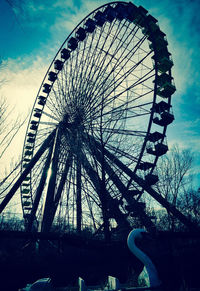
(53, 23)
(185, 133)
(23, 79)
(72, 14)
(181, 24)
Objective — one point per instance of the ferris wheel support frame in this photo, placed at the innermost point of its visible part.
(142, 183)
(135, 205)
(93, 175)
(97, 184)
(58, 193)
(24, 174)
(49, 201)
(40, 189)
(123, 189)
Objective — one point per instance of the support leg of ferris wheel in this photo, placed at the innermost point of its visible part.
(171, 208)
(119, 217)
(34, 160)
(49, 201)
(40, 189)
(122, 189)
(58, 193)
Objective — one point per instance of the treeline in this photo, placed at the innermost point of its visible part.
(176, 172)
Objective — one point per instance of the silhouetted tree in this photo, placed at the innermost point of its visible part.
(189, 203)
(10, 124)
(8, 128)
(175, 185)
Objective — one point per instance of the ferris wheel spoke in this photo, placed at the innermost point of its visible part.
(116, 97)
(76, 72)
(126, 106)
(43, 132)
(90, 191)
(122, 79)
(58, 93)
(116, 211)
(55, 96)
(50, 116)
(117, 49)
(50, 108)
(122, 154)
(73, 88)
(129, 72)
(70, 72)
(123, 190)
(56, 103)
(113, 158)
(50, 124)
(102, 63)
(86, 63)
(96, 57)
(119, 71)
(126, 58)
(63, 179)
(89, 45)
(140, 80)
(91, 211)
(93, 143)
(123, 131)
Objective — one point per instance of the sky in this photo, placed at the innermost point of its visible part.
(31, 32)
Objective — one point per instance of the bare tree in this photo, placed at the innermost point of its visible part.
(10, 124)
(8, 128)
(174, 172)
(175, 185)
(189, 203)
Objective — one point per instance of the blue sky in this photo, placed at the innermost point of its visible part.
(32, 31)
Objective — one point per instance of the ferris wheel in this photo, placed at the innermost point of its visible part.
(98, 124)
(103, 106)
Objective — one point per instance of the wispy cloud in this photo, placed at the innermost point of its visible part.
(23, 79)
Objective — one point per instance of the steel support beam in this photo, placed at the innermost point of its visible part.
(142, 183)
(98, 186)
(112, 203)
(40, 189)
(147, 222)
(32, 163)
(60, 189)
(121, 187)
(49, 203)
(78, 195)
